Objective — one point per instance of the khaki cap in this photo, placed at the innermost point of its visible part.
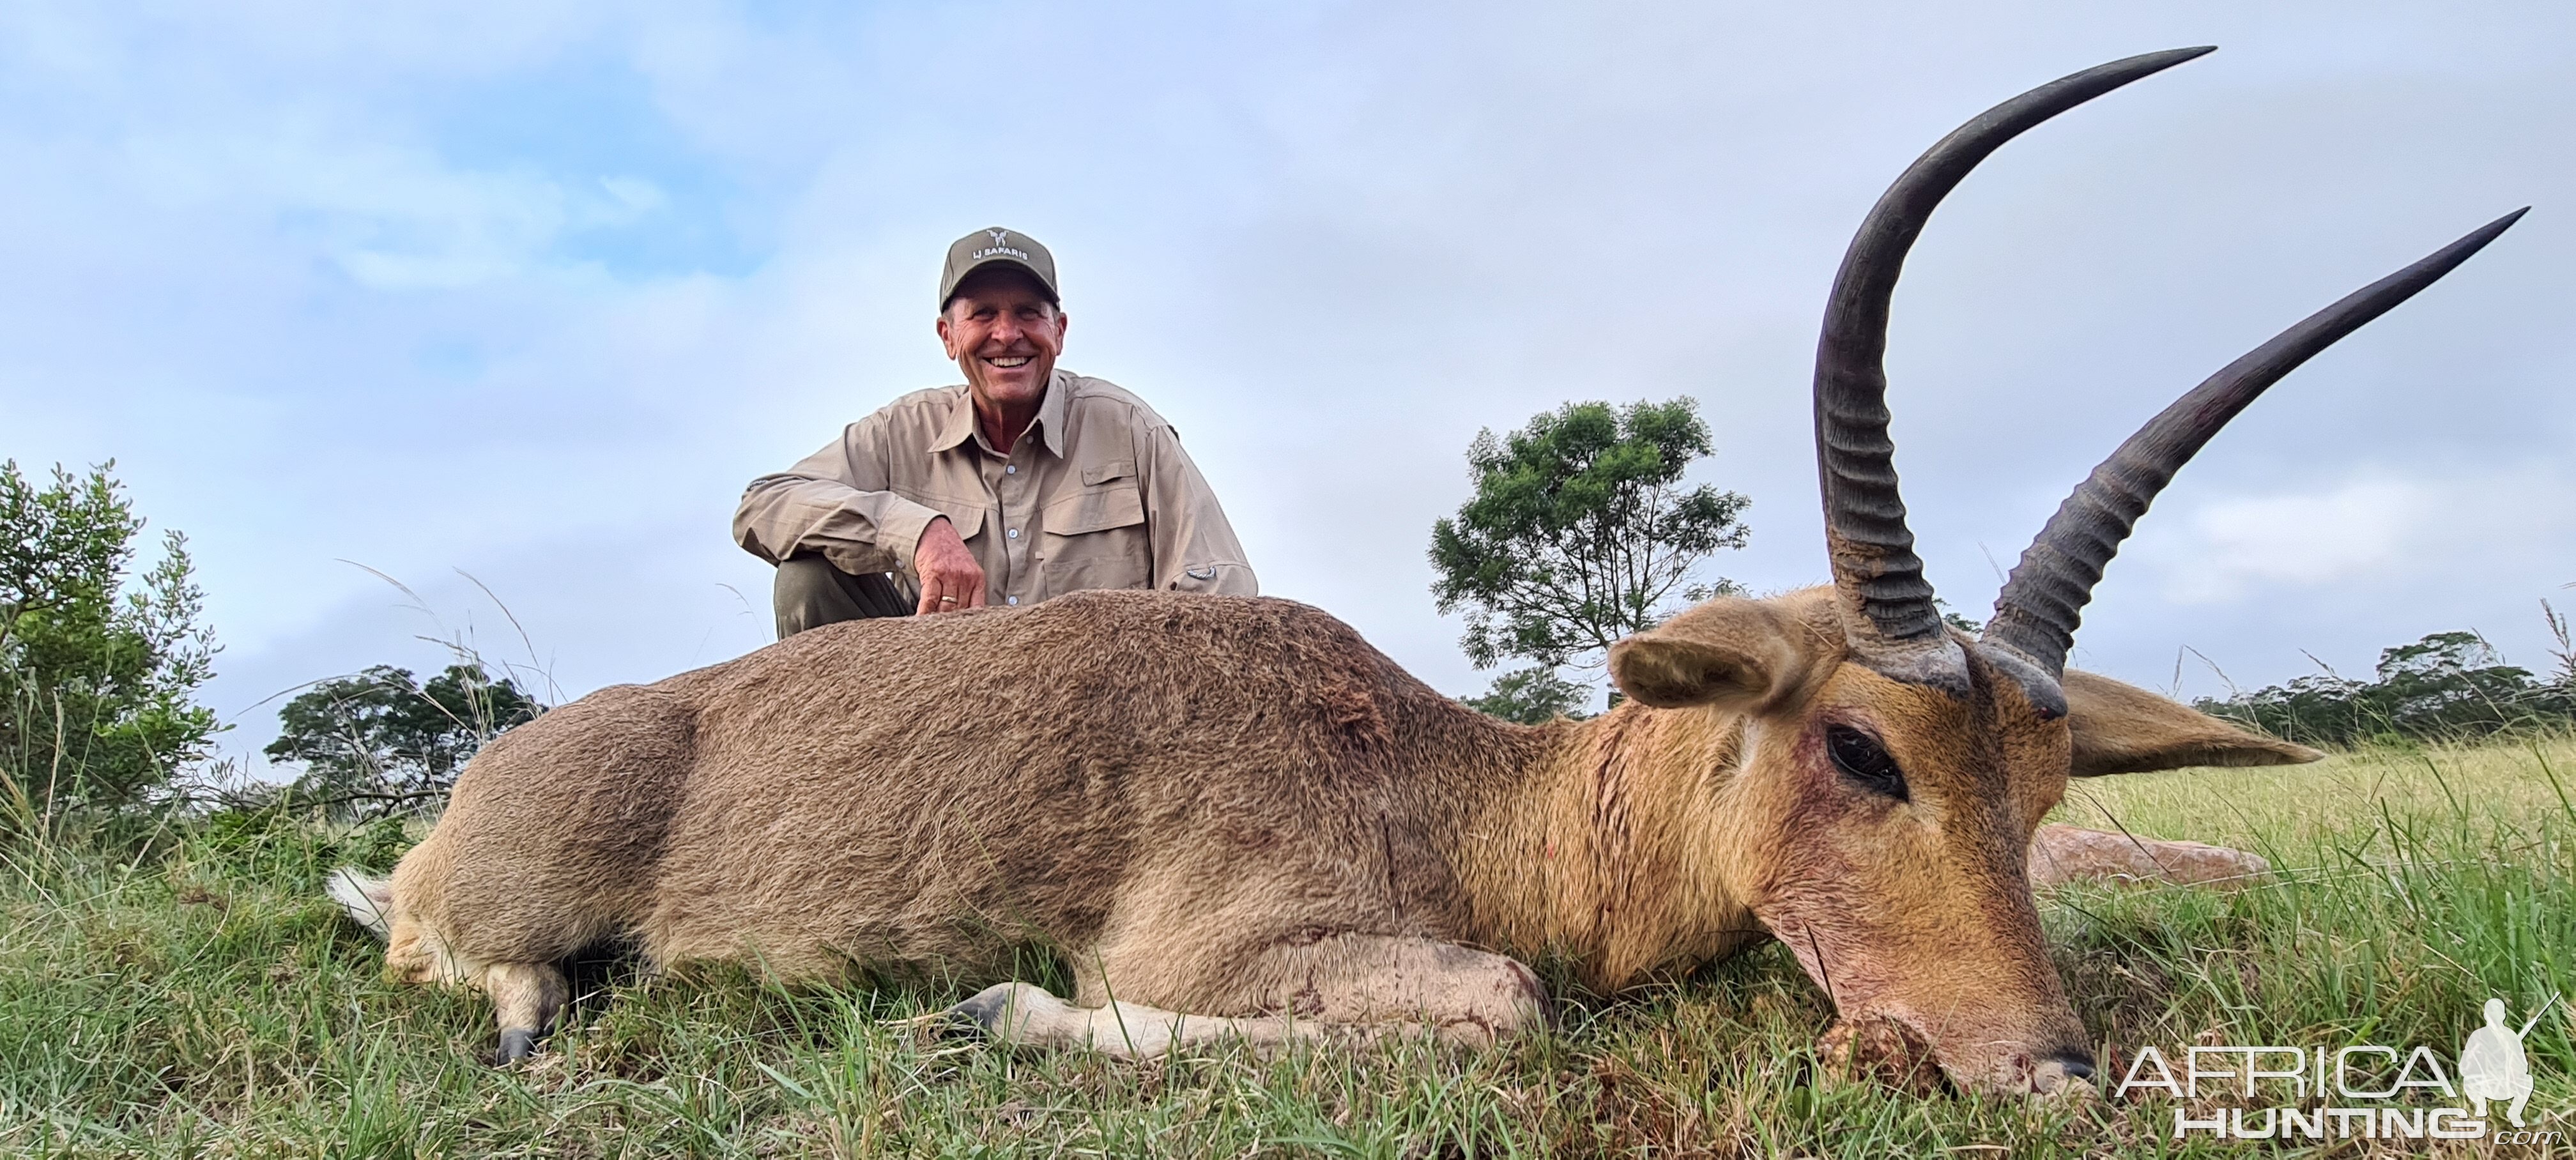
(997, 245)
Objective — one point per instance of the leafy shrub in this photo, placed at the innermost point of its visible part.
(98, 666)
(280, 843)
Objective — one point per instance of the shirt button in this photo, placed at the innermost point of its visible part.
(1010, 600)
(1015, 533)
(1010, 469)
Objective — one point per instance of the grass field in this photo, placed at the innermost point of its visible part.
(204, 1000)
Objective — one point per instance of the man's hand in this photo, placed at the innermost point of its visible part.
(950, 577)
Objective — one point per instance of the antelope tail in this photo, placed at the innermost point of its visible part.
(369, 901)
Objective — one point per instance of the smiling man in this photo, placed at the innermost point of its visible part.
(1022, 483)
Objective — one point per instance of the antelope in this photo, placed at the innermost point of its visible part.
(1234, 819)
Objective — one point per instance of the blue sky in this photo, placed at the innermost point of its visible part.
(523, 293)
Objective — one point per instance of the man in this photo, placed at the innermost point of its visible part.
(1022, 483)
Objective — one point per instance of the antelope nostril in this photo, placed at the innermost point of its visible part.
(2078, 1065)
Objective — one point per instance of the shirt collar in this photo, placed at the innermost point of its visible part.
(960, 424)
(1051, 411)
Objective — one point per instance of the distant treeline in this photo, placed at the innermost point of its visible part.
(2449, 686)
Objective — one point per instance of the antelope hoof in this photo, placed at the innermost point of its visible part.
(2068, 1076)
(1007, 1011)
(517, 1043)
(985, 1010)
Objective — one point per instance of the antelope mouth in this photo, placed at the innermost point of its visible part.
(1894, 1049)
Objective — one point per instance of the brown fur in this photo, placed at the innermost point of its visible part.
(1234, 813)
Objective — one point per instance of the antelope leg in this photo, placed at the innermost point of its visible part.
(1351, 986)
(2061, 854)
(526, 997)
(1024, 1015)
(1461, 995)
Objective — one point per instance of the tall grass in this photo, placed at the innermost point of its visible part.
(205, 1001)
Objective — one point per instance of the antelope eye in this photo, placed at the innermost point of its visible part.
(1861, 758)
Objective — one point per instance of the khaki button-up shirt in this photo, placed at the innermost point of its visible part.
(1097, 494)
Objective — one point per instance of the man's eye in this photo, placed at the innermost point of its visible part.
(1861, 758)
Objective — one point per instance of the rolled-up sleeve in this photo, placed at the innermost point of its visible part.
(834, 503)
(1194, 547)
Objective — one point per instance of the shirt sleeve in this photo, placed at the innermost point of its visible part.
(1194, 547)
(835, 504)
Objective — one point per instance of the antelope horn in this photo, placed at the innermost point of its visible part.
(1887, 612)
(2035, 616)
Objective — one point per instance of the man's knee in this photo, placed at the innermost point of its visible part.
(807, 594)
(810, 593)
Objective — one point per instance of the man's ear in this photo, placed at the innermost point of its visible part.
(1738, 654)
(2121, 728)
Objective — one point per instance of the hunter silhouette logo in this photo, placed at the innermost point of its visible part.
(2492, 1065)
(2353, 1092)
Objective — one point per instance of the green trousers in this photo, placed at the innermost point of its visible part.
(810, 592)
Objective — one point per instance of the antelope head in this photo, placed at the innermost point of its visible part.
(1891, 770)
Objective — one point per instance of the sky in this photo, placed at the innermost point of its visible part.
(464, 324)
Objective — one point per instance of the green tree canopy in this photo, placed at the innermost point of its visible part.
(380, 734)
(2446, 686)
(1532, 696)
(98, 666)
(1580, 530)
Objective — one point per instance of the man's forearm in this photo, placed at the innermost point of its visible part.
(788, 515)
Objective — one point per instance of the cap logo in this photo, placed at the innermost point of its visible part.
(999, 236)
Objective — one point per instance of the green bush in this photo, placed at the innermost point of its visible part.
(98, 665)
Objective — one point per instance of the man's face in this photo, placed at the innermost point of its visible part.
(1004, 334)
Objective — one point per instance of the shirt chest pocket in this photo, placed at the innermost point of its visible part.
(1095, 535)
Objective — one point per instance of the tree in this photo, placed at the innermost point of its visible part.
(2446, 686)
(1580, 531)
(98, 667)
(1531, 696)
(380, 736)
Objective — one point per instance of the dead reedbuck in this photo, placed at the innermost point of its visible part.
(1234, 818)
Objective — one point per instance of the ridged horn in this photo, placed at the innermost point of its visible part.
(1887, 611)
(2043, 601)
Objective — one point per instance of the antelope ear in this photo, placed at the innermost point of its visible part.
(1741, 654)
(2121, 728)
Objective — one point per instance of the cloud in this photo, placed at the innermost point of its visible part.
(392, 216)
(2289, 542)
(2374, 532)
